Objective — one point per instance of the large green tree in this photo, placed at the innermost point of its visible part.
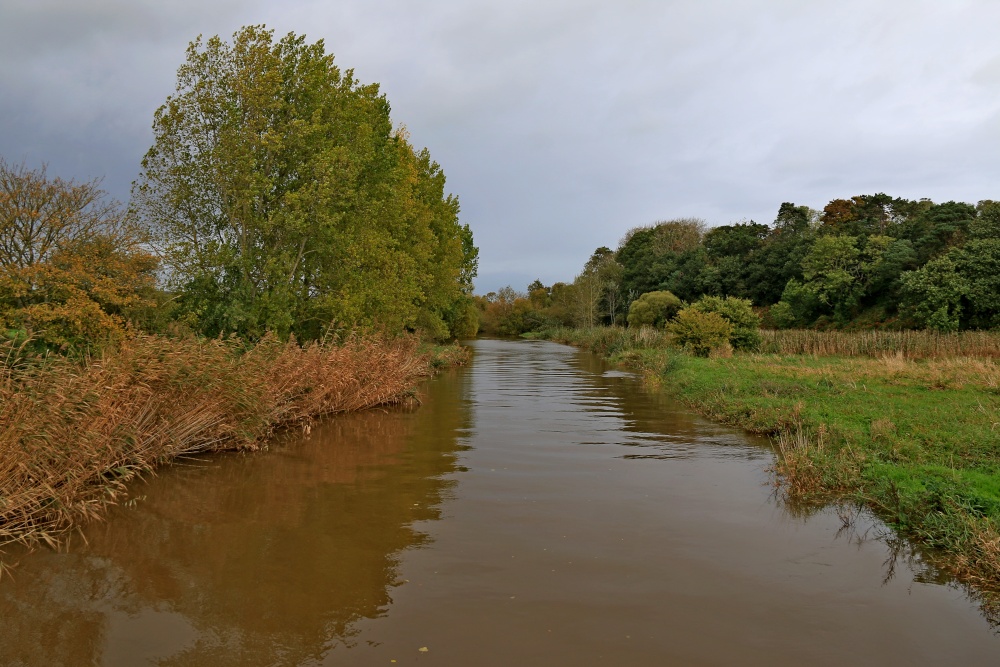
(660, 257)
(284, 200)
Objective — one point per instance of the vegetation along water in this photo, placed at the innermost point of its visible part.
(284, 249)
(861, 337)
(287, 253)
(539, 508)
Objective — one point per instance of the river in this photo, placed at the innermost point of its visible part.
(539, 508)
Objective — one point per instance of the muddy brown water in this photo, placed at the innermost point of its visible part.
(537, 509)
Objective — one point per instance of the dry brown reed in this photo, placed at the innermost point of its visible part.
(72, 433)
(909, 344)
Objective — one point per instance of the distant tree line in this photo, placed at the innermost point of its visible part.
(277, 197)
(867, 261)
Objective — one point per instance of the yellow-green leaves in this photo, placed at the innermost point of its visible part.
(286, 201)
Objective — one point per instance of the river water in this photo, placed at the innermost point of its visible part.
(539, 508)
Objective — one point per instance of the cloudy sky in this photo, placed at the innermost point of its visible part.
(561, 124)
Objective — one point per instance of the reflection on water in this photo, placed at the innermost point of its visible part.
(239, 560)
(538, 509)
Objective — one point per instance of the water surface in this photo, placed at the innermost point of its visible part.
(537, 509)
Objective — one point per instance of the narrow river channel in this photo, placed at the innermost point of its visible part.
(539, 508)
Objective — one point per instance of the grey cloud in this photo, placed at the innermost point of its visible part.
(560, 123)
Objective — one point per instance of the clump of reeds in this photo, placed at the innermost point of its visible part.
(72, 432)
(925, 344)
(795, 468)
(809, 469)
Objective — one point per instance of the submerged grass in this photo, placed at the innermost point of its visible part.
(73, 432)
(907, 423)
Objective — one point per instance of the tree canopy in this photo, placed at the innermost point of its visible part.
(866, 260)
(283, 199)
(74, 269)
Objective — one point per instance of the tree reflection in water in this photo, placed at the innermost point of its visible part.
(245, 559)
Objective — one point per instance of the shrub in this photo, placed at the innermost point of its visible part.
(653, 309)
(739, 313)
(700, 332)
(782, 316)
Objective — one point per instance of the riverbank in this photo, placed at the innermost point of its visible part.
(914, 436)
(72, 433)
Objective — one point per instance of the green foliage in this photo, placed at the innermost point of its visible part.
(597, 290)
(830, 271)
(782, 315)
(987, 223)
(792, 219)
(979, 263)
(737, 240)
(934, 294)
(653, 309)
(779, 259)
(700, 332)
(286, 202)
(886, 260)
(803, 304)
(650, 256)
(960, 289)
(739, 313)
(464, 320)
(939, 227)
(854, 265)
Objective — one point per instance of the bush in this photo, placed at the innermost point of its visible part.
(782, 316)
(653, 309)
(739, 313)
(700, 332)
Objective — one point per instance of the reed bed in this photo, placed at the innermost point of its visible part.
(73, 432)
(909, 344)
(609, 341)
(925, 344)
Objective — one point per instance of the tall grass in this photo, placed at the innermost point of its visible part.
(72, 433)
(609, 341)
(909, 344)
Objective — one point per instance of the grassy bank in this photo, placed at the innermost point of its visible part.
(73, 432)
(903, 424)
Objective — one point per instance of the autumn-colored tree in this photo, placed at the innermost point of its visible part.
(40, 215)
(73, 265)
(539, 295)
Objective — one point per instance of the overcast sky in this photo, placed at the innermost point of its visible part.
(561, 124)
